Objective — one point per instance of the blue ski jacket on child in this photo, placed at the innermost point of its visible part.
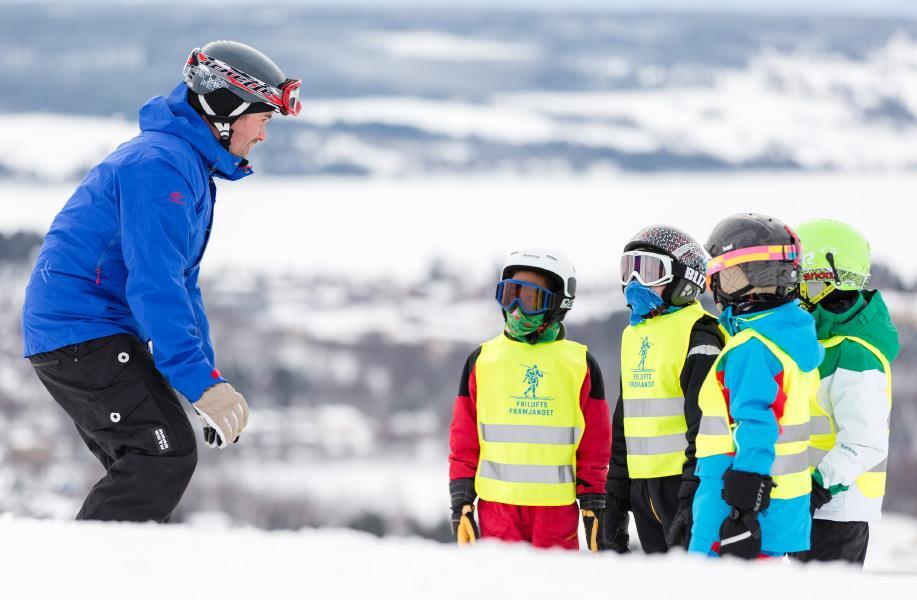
(753, 376)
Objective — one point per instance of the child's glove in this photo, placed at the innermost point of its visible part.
(592, 506)
(617, 520)
(747, 494)
(464, 527)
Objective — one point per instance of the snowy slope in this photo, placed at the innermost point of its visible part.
(44, 559)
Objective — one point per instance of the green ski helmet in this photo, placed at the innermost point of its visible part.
(835, 257)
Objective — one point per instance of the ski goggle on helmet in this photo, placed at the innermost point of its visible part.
(285, 98)
(790, 253)
(531, 298)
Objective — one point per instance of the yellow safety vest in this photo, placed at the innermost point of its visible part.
(529, 421)
(791, 464)
(653, 355)
(824, 429)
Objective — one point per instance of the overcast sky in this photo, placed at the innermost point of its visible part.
(820, 7)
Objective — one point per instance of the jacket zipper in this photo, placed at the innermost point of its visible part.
(209, 227)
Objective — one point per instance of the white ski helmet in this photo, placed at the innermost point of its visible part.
(554, 265)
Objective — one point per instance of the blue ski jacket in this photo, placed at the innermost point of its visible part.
(124, 253)
(752, 374)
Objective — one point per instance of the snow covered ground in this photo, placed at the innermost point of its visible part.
(43, 559)
(395, 228)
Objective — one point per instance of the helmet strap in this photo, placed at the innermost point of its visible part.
(830, 258)
(223, 124)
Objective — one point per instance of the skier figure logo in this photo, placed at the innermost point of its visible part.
(645, 346)
(532, 378)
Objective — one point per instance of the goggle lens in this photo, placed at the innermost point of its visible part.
(531, 298)
(648, 268)
(814, 291)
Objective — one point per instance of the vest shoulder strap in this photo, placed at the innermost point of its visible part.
(886, 366)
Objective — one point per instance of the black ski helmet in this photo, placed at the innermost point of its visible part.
(228, 79)
(775, 264)
(690, 261)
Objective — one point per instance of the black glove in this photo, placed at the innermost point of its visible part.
(747, 494)
(819, 496)
(679, 533)
(617, 519)
(592, 506)
(464, 526)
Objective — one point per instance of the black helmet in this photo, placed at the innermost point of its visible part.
(765, 249)
(229, 79)
(689, 262)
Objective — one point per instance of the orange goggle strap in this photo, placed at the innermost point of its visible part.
(784, 252)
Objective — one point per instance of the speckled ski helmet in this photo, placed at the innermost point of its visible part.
(687, 277)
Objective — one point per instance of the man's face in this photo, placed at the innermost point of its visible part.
(247, 131)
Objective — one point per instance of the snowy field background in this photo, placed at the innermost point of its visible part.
(396, 228)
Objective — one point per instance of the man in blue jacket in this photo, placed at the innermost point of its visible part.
(118, 274)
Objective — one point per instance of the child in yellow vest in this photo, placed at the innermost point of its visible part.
(666, 353)
(530, 433)
(752, 445)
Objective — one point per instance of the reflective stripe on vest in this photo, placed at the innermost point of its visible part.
(716, 435)
(527, 473)
(529, 421)
(653, 356)
(530, 434)
(824, 429)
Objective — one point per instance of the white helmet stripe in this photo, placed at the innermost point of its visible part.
(240, 110)
(206, 106)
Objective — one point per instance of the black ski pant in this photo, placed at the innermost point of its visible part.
(654, 503)
(837, 540)
(131, 420)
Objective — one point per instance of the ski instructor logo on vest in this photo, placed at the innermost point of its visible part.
(119, 270)
(532, 378)
(643, 377)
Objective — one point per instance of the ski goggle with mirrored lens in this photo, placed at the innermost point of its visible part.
(284, 98)
(532, 299)
(815, 291)
(648, 268)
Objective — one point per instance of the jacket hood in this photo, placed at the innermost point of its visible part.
(868, 319)
(788, 326)
(173, 115)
